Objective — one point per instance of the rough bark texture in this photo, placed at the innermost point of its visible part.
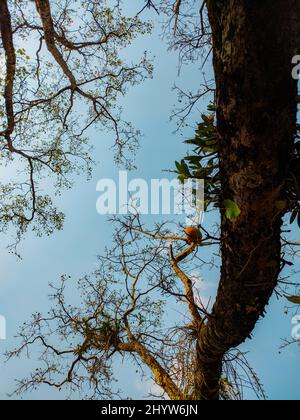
(254, 42)
(162, 378)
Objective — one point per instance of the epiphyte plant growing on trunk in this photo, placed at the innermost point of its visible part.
(61, 74)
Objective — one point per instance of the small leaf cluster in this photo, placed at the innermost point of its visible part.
(203, 162)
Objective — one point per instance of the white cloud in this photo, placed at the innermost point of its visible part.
(149, 387)
(201, 288)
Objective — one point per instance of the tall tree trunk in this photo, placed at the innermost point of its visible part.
(254, 42)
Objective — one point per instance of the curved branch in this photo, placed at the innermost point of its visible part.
(10, 55)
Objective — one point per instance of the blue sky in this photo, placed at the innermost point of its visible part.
(24, 283)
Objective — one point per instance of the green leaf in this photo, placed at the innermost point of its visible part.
(281, 204)
(185, 169)
(212, 108)
(232, 209)
(182, 178)
(293, 216)
(191, 141)
(178, 166)
(294, 299)
(193, 159)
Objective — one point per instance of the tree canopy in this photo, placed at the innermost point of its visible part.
(62, 72)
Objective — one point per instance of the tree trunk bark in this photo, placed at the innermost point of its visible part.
(253, 43)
